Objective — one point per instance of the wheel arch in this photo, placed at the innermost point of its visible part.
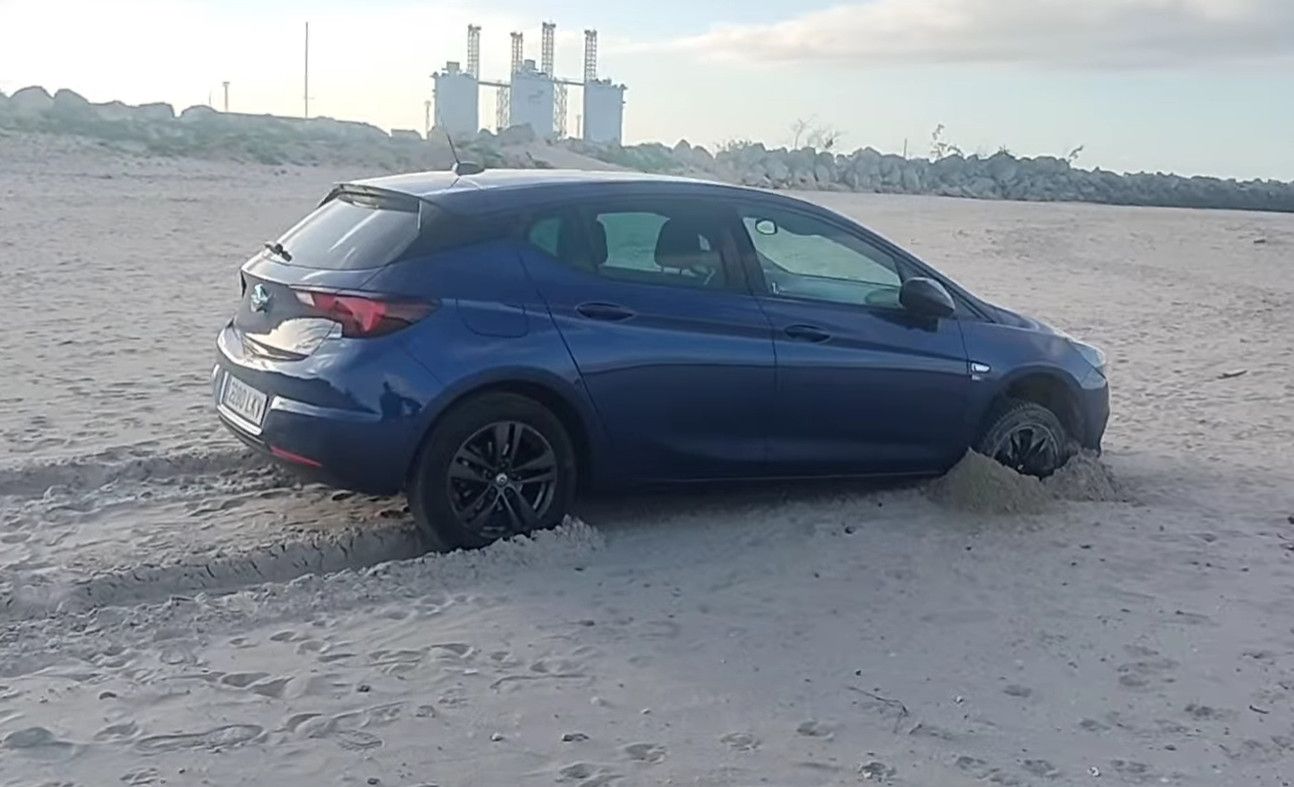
(561, 397)
(1050, 387)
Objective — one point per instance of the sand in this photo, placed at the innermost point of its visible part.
(173, 611)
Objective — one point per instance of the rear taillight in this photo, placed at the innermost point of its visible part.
(364, 316)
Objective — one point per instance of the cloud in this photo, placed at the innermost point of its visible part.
(1064, 33)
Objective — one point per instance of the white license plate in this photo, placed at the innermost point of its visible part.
(243, 400)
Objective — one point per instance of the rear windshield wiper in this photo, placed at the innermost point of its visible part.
(278, 249)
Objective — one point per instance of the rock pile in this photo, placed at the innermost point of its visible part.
(202, 131)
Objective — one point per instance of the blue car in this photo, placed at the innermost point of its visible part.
(490, 343)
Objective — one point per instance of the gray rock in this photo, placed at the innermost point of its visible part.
(1003, 167)
(912, 180)
(31, 101)
(156, 112)
(113, 111)
(778, 173)
(69, 103)
(198, 113)
(517, 135)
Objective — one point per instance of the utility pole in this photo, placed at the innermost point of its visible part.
(426, 121)
(306, 93)
(225, 85)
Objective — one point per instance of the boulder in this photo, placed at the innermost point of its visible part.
(1003, 167)
(31, 101)
(341, 130)
(981, 187)
(199, 113)
(156, 112)
(517, 135)
(778, 173)
(912, 181)
(113, 111)
(69, 103)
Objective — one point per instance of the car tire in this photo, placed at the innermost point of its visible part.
(1026, 437)
(467, 443)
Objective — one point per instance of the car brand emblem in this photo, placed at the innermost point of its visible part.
(260, 298)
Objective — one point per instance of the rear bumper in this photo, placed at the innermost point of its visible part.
(347, 416)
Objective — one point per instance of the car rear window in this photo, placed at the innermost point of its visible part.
(353, 231)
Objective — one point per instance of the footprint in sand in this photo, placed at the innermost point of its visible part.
(117, 732)
(816, 729)
(1041, 768)
(275, 687)
(588, 775)
(39, 742)
(1206, 713)
(141, 777)
(1139, 674)
(357, 740)
(741, 741)
(241, 680)
(221, 737)
(650, 753)
(985, 772)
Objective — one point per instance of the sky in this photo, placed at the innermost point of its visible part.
(1188, 86)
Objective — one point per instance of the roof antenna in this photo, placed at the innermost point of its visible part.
(461, 167)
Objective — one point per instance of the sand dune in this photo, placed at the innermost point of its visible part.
(172, 610)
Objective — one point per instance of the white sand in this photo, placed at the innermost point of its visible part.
(165, 618)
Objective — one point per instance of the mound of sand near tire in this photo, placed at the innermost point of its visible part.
(980, 485)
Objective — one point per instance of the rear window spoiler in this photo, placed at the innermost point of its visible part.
(398, 200)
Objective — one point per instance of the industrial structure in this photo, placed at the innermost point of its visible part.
(533, 95)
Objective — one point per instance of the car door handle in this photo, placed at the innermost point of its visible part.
(807, 333)
(608, 312)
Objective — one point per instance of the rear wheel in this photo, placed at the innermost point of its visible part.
(494, 466)
(1026, 437)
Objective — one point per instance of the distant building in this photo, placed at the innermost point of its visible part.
(530, 100)
(604, 112)
(533, 96)
(457, 100)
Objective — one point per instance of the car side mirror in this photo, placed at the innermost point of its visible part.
(926, 297)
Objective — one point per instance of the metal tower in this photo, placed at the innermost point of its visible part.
(548, 49)
(517, 53)
(474, 51)
(590, 55)
(559, 110)
(501, 108)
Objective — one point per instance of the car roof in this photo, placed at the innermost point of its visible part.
(510, 189)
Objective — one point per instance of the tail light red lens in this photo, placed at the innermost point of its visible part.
(364, 316)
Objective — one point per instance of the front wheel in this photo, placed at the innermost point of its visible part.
(494, 466)
(1026, 437)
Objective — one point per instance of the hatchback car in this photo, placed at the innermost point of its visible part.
(489, 343)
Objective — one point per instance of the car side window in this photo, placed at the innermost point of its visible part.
(545, 234)
(806, 257)
(674, 245)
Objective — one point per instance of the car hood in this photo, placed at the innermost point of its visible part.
(1018, 320)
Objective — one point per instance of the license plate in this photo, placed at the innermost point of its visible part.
(243, 400)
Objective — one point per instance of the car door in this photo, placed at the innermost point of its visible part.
(863, 386)
(674, 351)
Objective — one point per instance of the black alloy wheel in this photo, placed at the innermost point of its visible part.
(502, 480)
